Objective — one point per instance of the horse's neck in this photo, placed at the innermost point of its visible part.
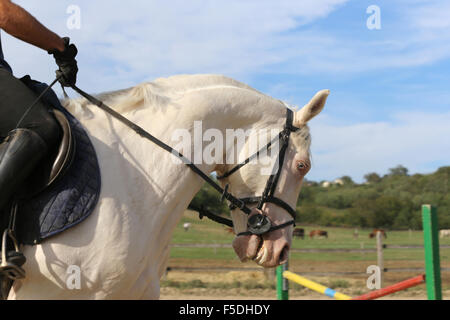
(143, 176)
(171, 185)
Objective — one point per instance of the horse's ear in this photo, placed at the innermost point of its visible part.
(312, 109)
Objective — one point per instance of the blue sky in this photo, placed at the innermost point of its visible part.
(389, 102)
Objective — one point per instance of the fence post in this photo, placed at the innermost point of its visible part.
(282, 283)
(380, 260)
(431, 246)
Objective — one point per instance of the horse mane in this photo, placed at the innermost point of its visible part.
(163, 91)
(158, 93)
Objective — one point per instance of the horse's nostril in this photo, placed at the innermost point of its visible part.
(284, 255)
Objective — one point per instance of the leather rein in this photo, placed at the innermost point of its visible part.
(257, 224)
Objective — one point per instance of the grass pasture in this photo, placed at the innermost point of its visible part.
(217, 270)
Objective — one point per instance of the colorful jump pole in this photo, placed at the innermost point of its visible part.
(282, 283)
(315, 286)
(393, 288)
(431, 246)
(432, 275)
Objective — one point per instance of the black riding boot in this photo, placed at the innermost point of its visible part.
(20, 153)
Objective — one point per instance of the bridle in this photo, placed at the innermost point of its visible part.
(257, 224)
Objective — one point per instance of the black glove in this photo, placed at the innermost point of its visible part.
(67, 64)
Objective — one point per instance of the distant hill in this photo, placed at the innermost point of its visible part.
(392, 201)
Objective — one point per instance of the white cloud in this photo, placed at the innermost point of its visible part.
(124, 42)
(415, 140)
(430, 15)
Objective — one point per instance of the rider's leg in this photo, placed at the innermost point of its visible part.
(19, 154)
(15, 99)
(23, 148)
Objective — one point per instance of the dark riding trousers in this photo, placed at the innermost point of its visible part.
(3, 63)
(15, 99)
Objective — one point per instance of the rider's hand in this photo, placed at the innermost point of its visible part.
(67, 64)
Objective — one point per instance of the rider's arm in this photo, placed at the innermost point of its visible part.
(22, 25)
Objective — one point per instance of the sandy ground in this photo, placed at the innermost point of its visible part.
(356, 287)
(354, 284)
(224, 296)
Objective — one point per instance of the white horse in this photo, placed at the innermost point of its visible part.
(444, 233)
(186, 226)
(121, 250)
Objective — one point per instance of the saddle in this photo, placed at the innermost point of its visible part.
(61, 194)
(51, 168)
(55, 164)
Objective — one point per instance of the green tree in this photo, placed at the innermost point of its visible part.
(209, 198)
(372, 177)
(347, 180)
(398, 171)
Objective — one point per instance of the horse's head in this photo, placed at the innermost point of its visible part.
(272, 248)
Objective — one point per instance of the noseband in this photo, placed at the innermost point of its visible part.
(257, 224)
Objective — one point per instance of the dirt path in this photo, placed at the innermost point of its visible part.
(195, 294)
(254, 285)
(205, 279)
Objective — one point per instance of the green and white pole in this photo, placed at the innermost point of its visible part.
(431, 246)
(282, 283)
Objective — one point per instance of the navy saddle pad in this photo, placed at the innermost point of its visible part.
(72, 197)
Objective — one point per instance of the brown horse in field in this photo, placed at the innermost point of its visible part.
(319, 233)
(374, 233)
(299, 232)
